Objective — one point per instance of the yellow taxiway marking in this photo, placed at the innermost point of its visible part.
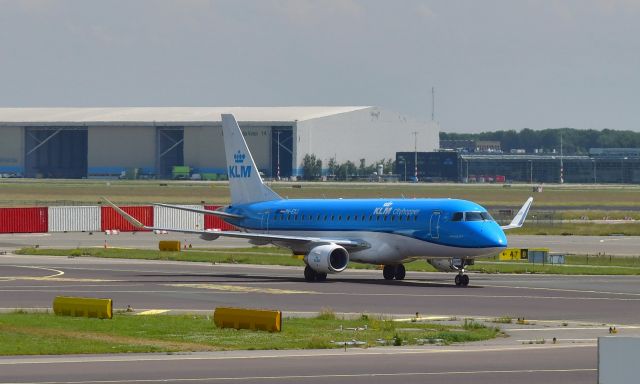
(56, 273)
(240, 289)
(152, 312)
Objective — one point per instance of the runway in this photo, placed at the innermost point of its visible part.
(574, 309)
(481, 365)
(32, 282)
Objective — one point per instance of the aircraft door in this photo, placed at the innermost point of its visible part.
(265, 221)
(434, 225)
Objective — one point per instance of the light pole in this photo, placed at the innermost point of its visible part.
(622, 159)
(404, 162)
(595, 180)
(415, 157)
(531, 172)
(278, 157)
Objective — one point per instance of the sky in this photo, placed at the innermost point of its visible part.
(495, 65)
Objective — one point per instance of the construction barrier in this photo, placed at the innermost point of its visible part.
(83, 307)
(169, 245)
(165, 217)
(24, 220)
(110, 219)
(256, 319)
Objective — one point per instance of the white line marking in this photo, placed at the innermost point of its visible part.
(327, 376)
(563, 290)
(275, 354)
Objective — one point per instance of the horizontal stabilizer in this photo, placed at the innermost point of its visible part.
(221, 214)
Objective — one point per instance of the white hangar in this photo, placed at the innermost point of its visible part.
(104, 142)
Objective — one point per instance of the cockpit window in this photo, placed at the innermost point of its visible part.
(473, 216)
(457, 216)
(486, 216)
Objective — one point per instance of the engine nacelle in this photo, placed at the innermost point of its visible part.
(328, 258)
(450, 265)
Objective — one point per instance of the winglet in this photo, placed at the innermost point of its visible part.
(518, 220)
(132, 220)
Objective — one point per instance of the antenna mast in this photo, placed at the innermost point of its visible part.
(433, 103)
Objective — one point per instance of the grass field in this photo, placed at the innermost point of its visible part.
(576, 265)
(46, 334)
(578, 229)
(46, 192)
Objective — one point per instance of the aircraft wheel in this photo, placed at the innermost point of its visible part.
(389, 272)
(464, 280)
(321, 276)
(400, 272)
(458, 280)
(309, 274)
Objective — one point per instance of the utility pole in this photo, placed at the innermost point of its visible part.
(561, 162)
(433, 103)
(278, 164)
(415, 151)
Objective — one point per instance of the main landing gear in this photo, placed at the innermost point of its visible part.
(396, 271)
(462, 280)
(311, 275)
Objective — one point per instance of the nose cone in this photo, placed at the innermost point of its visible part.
(492, 236)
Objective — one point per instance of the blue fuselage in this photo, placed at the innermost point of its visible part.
(395, 228)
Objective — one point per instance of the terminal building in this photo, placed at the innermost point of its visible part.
(602, 165)
(152, 142)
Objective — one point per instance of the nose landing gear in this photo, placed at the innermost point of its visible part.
(461, 280)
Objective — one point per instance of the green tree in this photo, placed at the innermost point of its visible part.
(311, 167)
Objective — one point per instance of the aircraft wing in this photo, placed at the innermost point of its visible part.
(518, 220)
(259, 237)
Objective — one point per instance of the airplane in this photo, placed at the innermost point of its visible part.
(448, 233)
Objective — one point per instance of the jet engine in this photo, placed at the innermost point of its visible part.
(450, 265)
(327, 258)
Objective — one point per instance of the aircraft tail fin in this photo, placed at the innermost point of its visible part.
(245, 182)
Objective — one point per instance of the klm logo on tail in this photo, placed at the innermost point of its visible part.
(239, 170)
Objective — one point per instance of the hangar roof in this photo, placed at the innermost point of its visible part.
(15, 116)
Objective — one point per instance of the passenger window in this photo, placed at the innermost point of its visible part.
(332, 217)
(340, 218)
(318, 218)
(302, 218)
(458, 216)
(289, 217)
(348, 217)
